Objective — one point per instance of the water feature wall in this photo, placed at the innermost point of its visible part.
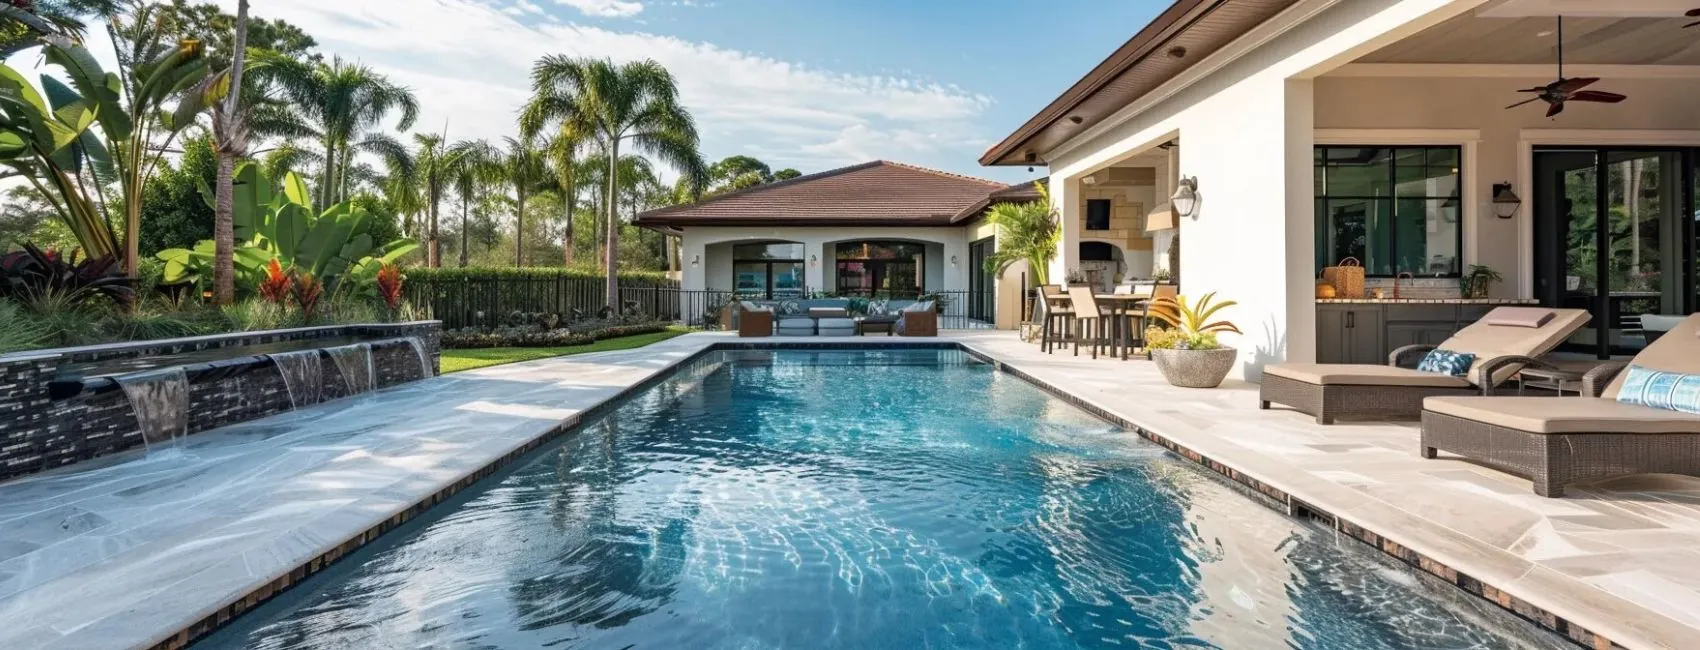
(40, 429)
(302, 375)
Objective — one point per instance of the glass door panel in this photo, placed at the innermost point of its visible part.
(1644, 192)
(750, 278)
(1581, 287)
(787, 279)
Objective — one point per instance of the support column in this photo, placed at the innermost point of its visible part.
(814, 276)
(693, 261)
(1065, 199)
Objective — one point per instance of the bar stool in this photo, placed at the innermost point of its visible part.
(1088, 321)
(1056, 317)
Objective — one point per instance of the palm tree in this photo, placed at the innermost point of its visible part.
(1026, 232)
(633, 102)
(435, 164)
(524, 167)
(475, 165)
(562, 153)
(344, 103)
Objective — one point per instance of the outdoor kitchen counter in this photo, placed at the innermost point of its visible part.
(1365, 330)
(1427, 301)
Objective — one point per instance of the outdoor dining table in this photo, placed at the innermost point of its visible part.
(1122, 305)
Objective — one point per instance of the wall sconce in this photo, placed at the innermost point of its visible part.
(1185, 200)
(1089, 179)
(1505, 201)
(696, 260)
(814, 261)
(953, 260)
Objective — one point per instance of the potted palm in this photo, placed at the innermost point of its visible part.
(1187, 353)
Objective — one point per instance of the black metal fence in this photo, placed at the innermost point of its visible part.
(461, 301)
(707, 309)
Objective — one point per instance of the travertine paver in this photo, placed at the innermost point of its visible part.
(124, 551)
(1620, 557)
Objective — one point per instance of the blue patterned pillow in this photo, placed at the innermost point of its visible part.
(1447, 362)
(1671, 391)
(877, 308)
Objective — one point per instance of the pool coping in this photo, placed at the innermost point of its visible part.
(1500, 595)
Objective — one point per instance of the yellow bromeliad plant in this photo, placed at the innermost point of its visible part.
(1189, 323)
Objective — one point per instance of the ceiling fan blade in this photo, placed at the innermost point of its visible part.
(1691, 25)
(1573, 84)
(1597, 96)
(1557, 107)
(1692, 13)
(1531, 99)
(1536, 89)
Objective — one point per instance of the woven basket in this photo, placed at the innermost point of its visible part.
(1347, 278)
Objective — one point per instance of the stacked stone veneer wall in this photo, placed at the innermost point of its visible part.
(38, 432)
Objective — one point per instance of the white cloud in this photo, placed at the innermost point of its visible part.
(469, 63)
(528, 7)
(604, 8)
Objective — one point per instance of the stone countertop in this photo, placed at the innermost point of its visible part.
(1428, 301)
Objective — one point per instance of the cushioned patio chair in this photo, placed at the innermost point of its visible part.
(1554, 441)
(754, 320)
(1504, 341)
(919, 319)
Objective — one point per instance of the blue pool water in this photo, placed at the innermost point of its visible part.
(878, 499)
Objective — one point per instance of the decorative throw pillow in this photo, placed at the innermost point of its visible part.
(790, 307)
(1671, 391)
(876, 308)
(1447, 362)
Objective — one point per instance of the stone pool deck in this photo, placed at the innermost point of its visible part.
(131, 550)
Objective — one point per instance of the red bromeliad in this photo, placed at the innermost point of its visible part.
(307, 291)
(389, 285)
(275, 287)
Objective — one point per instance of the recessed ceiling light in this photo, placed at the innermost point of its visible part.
(1543, 33)
(1075, 119)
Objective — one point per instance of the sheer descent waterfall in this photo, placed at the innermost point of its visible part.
(355, 364)
(160, 399)
(303, 376)
(425, 370)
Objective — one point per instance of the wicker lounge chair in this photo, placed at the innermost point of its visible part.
(1554, 441)
(1397, 389)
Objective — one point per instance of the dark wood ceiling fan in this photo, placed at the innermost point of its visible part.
(1563, 90)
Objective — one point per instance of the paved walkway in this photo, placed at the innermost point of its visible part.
(1621, 557)
(128, 550)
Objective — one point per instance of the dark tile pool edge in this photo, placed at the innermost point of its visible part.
(228, 612)
(1259, 491)
(1293, 507)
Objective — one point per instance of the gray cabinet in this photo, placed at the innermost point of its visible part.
(1350, 333)
(1368, 332)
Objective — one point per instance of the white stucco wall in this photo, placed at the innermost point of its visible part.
(1412, 106)
(712, 245)
(1246, 132)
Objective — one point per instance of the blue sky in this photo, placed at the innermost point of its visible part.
(811, 84)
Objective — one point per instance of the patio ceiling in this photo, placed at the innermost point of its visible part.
(1470, 38)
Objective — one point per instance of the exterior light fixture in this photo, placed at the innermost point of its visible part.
(1185, 200)
(1505, 201)
(696, 260)
(814, 260)
(1088, 180)
(953, 260)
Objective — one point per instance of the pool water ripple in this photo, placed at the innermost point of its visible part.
(842, 499)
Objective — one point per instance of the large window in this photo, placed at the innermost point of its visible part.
(1396, 209)
(881, 268)
(770, 270)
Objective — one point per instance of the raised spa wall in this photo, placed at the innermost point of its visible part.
(42, 428)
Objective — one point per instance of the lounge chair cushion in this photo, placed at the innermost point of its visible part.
(1488, 341)
(1330, 374)
(1447, 362)
(1564, 414)
(1676, 351)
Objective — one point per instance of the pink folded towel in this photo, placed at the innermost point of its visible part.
(1518, 317)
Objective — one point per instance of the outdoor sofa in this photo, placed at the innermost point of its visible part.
(832, 317)
(1504, 341)
(1554, 441)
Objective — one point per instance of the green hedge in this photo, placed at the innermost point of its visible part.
(530, 338)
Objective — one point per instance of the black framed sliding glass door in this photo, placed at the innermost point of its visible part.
(1614, 234)
(982, 299)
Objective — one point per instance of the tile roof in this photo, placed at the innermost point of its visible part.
(1021, 193)
(877, 193)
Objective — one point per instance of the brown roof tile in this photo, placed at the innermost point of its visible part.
(878, 193)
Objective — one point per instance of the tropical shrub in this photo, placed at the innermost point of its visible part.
(1026, 232)
(257, 315)
(1193, 329)
(20, 331)
(50, 281)
(275, 286)
(307, 290)
(531, 337)
(389, 286)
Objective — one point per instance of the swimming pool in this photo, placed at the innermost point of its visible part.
(862, 499)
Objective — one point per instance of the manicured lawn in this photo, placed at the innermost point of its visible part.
(458, 360)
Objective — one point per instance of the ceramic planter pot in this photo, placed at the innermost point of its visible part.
(1195, 368)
